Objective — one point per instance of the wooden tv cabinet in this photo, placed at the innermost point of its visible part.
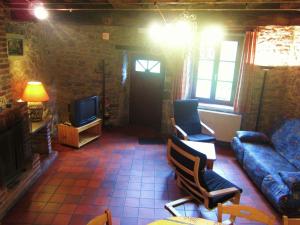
(79, 136)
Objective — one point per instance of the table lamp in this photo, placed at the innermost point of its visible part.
(35, 94)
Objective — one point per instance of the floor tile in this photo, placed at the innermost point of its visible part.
(134, 181)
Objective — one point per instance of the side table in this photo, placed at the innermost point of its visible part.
(41, 136)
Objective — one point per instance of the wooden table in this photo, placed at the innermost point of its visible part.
(206, 148)
(184, 221)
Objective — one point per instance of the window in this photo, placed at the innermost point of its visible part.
(148, 66)
(216, 71)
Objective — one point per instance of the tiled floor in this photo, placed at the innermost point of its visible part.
(134, 181)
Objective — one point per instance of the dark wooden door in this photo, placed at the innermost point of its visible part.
(146, 91)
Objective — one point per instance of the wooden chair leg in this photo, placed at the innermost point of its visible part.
(236, 200)
(171, 205)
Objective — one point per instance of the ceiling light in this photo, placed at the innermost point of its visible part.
(40, 12)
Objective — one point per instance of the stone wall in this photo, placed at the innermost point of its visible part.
(5, 88)
(68, 58)
(281, 98)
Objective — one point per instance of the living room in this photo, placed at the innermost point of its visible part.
(98, 48)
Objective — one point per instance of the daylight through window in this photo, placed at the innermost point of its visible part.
(216, 71)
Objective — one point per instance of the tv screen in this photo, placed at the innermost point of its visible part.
(84, 111)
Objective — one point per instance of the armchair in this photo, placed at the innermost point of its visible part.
(187, 124)
(202, 185)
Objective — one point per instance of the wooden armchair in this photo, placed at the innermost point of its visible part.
(244, 211)
(291, 221)
(202, 185)
(104, 219)
(187, 124)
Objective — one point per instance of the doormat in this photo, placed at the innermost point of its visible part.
(151, 141)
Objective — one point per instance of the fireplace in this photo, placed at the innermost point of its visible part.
(15, 149)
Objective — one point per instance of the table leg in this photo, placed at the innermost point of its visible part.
(210, 164)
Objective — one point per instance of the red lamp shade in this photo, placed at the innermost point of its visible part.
(35, 92)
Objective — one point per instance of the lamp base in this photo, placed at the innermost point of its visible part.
(36, 112)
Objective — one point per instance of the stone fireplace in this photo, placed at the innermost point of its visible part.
(19, 167)
(15, 151)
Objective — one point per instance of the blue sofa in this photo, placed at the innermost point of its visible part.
(273, 164)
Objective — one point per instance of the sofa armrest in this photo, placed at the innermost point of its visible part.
(291, 179)
(253, 137)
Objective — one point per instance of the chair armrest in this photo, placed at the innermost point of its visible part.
(185, 136)
(208, 128)
(223, 192)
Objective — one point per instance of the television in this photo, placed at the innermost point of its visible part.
(83, 111)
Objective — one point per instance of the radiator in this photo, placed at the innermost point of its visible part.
(224, 124)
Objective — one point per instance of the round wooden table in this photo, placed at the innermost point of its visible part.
(184, 221)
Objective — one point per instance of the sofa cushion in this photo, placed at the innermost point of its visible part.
(262, 160)
(253, 137)
(286, 141)
(291, 179)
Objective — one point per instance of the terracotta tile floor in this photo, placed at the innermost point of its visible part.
(115, 172)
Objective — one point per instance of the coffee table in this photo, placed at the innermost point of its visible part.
(206, 148)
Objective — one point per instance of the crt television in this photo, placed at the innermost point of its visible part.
(83, 111)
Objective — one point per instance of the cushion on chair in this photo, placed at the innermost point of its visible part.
(212, 181)
(291, 179)
(201, 137)
(253, 137)
(185, 161)
(186, 116)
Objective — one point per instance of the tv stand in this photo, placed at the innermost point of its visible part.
(79, 136)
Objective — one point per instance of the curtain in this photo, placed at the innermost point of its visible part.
(246, 78)
(182, 80)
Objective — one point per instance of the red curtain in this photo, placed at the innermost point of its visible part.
(181, 81)
(246, 78)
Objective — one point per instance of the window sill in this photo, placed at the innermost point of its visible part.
(215, 107)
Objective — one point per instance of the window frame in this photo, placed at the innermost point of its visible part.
(147, 71)
(196, 59)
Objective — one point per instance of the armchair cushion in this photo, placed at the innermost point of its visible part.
(291, 179)
(201, 137)
(211, 181)
(186, 116)
(253, 137)
(185, 161)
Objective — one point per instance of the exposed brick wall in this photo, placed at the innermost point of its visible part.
(281, 96)
(5, 87)
(278, 46)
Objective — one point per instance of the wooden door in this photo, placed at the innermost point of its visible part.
(146, 91)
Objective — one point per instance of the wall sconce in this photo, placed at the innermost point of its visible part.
(35, 94)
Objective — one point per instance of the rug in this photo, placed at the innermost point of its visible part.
(151, 140)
